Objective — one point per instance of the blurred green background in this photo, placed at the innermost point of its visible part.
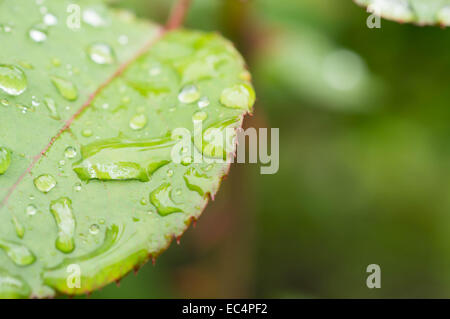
(364, 172)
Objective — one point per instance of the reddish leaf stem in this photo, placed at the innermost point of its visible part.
(178, 14)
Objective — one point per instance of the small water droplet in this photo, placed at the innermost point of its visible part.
(77, 187)
(51, 106)
(94, 229)
(93, 18)
(12, 79)
(37, 34)
(169, 172)
(20, 230)
(189, 94)
(45, 183)
(101, 53)
(203, 102)
(70, 152)
(87, 132)
(123, 40)
(4, 102)
(50, 19)
(199, 116)
(154, 71)
(31, 210)
(5, 160)
(138, 122)
(66, 88)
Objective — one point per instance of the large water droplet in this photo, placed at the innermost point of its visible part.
(240, 96)
(101, 53)
(19, 254)
(123, 159)
(45, 183)
(138, 122)
(161, 199)
(66, 88)
(197, 181)
(61, 210)
(217, 140)
(189, 94)
(37, 34)
(5, 160)
(12, 79)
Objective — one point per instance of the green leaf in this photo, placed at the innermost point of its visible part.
(421, 12)
(88, 133)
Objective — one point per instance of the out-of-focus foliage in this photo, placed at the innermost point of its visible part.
(363, 178)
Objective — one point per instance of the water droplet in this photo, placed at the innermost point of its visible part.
(138, 122)
(199, 116)
(45, 183)
(101, 53)
(189, 94)
(93, 18)
(160, 198)
(94, 229)
(51, 106)
(154, 71)
(61, 210)
(123, 40)
(19, 254)
(217, 140)
(50, 19)
(203, 102)
(123, 159)
(240, 96)
(4, 102)
(37, 34)
(5, 160)
(12, 287)
(20, 230)
(5, 28)
(66, 88)
(87, 132)
(70, 152)
(12, 79)
(169, 172)
(56, 62)
(77, 187)
(31, 210)
(197, 181)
